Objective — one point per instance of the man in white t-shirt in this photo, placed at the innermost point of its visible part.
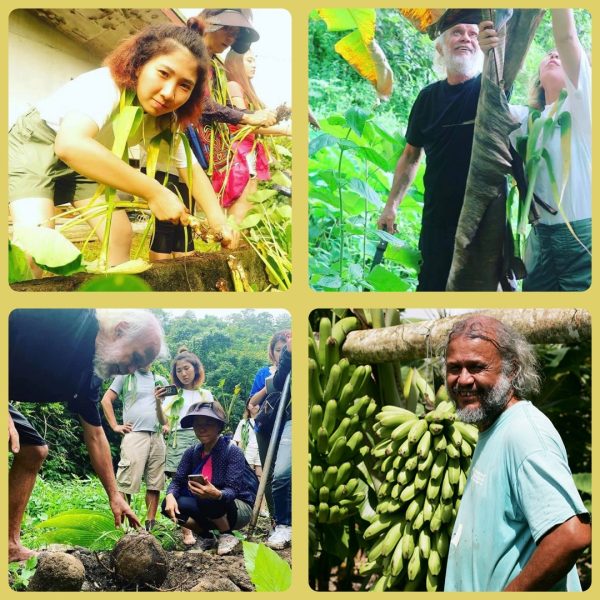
(143, 448)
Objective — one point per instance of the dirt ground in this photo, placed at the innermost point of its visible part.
(189, 570)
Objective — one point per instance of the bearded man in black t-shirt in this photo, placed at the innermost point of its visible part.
(62, 355)
(441, 122)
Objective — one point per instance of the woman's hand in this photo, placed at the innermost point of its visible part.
(264, 118)
(159, 392)
(488, 37)
(166, 206)
(171, 507)
(207, 491)
(230, 238)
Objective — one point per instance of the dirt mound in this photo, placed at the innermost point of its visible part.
(138, 559)
(57, 572)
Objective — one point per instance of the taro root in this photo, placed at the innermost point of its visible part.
(139, 559)
(57, 572)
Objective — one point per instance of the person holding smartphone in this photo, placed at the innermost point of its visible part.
(143, 449)
(187, 373)
(211, 489)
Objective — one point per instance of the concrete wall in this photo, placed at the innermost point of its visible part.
(40, 60)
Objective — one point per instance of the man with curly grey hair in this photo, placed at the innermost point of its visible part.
(521, 523)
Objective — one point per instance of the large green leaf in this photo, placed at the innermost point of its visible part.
(383, 280)
(357, 119)
(18, 265)
(343, 19)
(116, 282)
(268, 571)
(125, 124)
(50, 249)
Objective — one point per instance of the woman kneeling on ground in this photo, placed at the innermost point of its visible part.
(208, 491)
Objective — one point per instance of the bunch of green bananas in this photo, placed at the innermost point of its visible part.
(422, 463)
(338, 411)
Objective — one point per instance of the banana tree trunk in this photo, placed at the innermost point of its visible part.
(477, 264)
(413, 341)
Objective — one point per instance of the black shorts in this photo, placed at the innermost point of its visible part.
(28, 436)
(167, 236)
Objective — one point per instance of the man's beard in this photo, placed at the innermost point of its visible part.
(106, 358)
(467, 65)
(491, 404)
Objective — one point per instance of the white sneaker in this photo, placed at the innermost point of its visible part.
(226, 543)
(280, 538)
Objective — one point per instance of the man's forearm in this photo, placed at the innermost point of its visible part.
(100, 457)
(109, 413)
(554, 557)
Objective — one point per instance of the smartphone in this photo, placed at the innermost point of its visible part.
(198, 478)
(170, 390)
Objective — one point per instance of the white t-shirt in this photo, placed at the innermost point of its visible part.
(139, 405)
(95, 95)
(189, 397)
(577, 199)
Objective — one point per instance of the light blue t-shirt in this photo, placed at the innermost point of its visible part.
(519, 487)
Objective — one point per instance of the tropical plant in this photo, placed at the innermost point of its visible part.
(267, 570)
(20, 573)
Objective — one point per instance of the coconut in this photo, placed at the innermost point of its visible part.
(139, 559)
(57, 572)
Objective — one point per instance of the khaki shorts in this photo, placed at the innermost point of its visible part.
(34, 170)
(142, 457)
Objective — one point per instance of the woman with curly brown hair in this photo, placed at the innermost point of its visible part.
(62, 148)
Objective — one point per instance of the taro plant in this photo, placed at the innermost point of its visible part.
(351, 165)
(267, 570)
(21, 573)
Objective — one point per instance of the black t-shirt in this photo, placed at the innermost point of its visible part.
(51, 358)
(442, 123)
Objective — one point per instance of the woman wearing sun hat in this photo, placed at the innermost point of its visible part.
(214, 488)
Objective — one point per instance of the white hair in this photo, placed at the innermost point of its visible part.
(139, 322)
(472, 66)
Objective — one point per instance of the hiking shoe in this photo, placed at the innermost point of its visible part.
(203, 544)
(227, 542)
(280, 538)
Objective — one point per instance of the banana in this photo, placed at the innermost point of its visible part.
(454, 471)
(441, 395)
(333, 382)
(324, 333)
(421, 480)
(315, 420)
(408, 542)
(442, 543)
(455, 436)
(340, 492)
(343, 327)
(439, 464)
(447, 490)
(379, 524)
(417, 431)
(415, 507)
(467, 431)
(316, 475)
(433, 488)
(425, 464)
(424, 543)
(434, 564)
(405, 448)
(405, 477)
(312, 494)
(424, 444)
(392, 538)
(330, 416)
(446, 406)
(439, 442)
(375, 551)
(342, 429)
(397, 563)
(335, 514)
(322, 440)
(462, 482)
(419, 521)
(330, 476)
(354, 442)
(346, 396)
(336, 452)
(323, 512)
(315, 391)
(323, 494)
(414, 564)
(436, 520)
(431, 582)
(313, 350)
(428, 509)
(411, 463)
(352, 485)
(465, 449)
(343, 474)
(394, 418)
(332, 355)
(401, 431)
(408, 493)
(447, 512)
(436, 428)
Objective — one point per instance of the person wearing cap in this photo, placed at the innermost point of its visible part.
(223, 28)
(209, 490)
